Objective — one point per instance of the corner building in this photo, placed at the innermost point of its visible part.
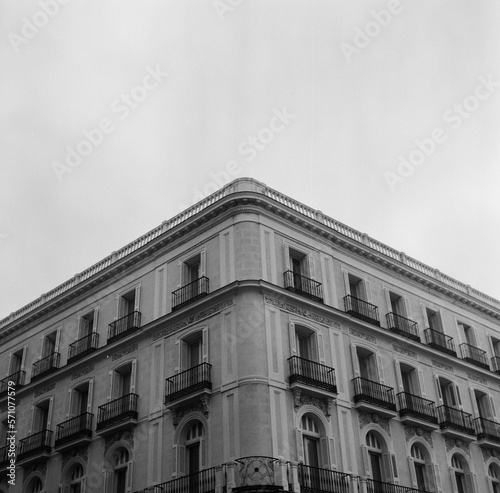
(249, 344)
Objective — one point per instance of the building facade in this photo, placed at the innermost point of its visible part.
(252, 343)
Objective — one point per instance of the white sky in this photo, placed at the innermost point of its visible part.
(228, 72)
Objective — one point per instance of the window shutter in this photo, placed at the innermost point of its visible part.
(407, 312)
(23, 359)
(492, 407)
(394, 466)
(490, 485)
(203, 263)
(438, 390)
(421, 384)
(436, 476)
(368, 291)
(379, 370)
(321, 348)
(89, 400)
(346, 283)
(366, 460)
(300, 445)
(413, 478)
(323, 442)
(64, 489)
(355, 362)
(84, 485)
(133, 377)
(130, 475)
(387, 297)
(386, 463)
(475, 410)
(286, 257)
(58, 338)
(137, 299)
(203, 452)
(331, 450)
(96, 319)
(293, 339)
(430, 480)
(181, 461)
(49, 413)
(459, 398)
(399, 380)
(205, 345)
(469, 482)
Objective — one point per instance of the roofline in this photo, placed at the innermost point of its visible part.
(250, 185)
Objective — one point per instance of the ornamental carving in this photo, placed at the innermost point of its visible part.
(45, 389)
(369, 418)
(304, 312)
(488, 453)
(40, 467)
(192, 319)
(411, 431)
(362, 335)
(406, 352)
(81, 453)
(202, 406)
(451, 443)
(442, 366)
(82, 371)
(324, 405)
(123, 436)
(125, 351)
(474, 378)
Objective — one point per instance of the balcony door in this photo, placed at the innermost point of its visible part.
(447, 392)
(311, 441)
(367, 364)
(41, 417)
(80, 401)
(49, 344)
(409, 379)
(16, 361)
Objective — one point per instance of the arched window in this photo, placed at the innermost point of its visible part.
(419, 466)
(120, 469)
(35, 486)
(74, 479)
(311, 441)
(459, 471)
(494, 474)
(375, 456)
(194, 447)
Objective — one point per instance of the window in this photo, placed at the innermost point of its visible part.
(496, 346)
(75, 479)
(50, 344)
(356, 287)
(409, 379)
(86, 325)
(457, 465)
(123, 383)
(397, 304)
(35, 486)
(192, 348)
(311, 441)
(468, 333)
(80, 400)
(127, 304)
(16, 361)
(191, 270)
(193, 447)
(418, 457)
(483, 404)
(375, 456)
(41, 413)
(447, 392)
(305, 343)
(433, 320)
(494, 474)
(367, 364)
(120, 462)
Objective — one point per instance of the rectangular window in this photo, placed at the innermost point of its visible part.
(496, 346)
(16, 361)
(434, 320)
(127, 304)
(86, 325)
(123, 381)
(356, 287)
(80, 400)
(409, 378)
(367, 365)
(191, 270)
(397, 304)
(49, 344)
(447, 391)
(41, 417)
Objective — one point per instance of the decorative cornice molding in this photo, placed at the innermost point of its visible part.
(442, 366)
(125, 436)
(304, 312)
(406, 352)
(82, 371)
(193, 319)
(477, 379)
(411, 431)
(81, 453)
(451, 443)
(300, 399)
(45, 389)
(201, 405)
(125, 351)
(369, 418)
(362, 335)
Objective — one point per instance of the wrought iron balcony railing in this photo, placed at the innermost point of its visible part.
(16, 378)
(380, 487)
(402, 326)
(361, 309)
(117, 411)
(4, 459)
(83, 346)
(440, 341)
(74, 428)
(303, 285)
(454, 419)
(35, 444)
(316, 480)
(188, 382)
(124, 326)
(495, 364)
(486, 429)
(256, 472)
(46, 365)
(374, 393)
(416, 407)
(198, 482)
(190, 292)
(312, 374)
(474, 355)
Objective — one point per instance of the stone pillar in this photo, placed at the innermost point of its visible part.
(283, 466)
(353, 486)
(231, 480)
(362, 485)
(295, 476)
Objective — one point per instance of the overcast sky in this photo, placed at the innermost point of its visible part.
(322, 100)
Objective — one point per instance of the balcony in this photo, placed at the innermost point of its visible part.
(16, 379)
(194, 382)
(402, 326)
(45, 366)
(259, 474)
(199, 482)
(374, 397)
(417, 411)
(316, 480)
(303, 286)
(488, 433)
(373, 486)
(361, 309)
(190, 293)
(124, 326)
(495, 364)
(34, 448)
(4, 459)
(439, 341)
(117, 415)
(455, 423)
(83, 347)
(74, 432)
(474, 355)
(306, 374)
